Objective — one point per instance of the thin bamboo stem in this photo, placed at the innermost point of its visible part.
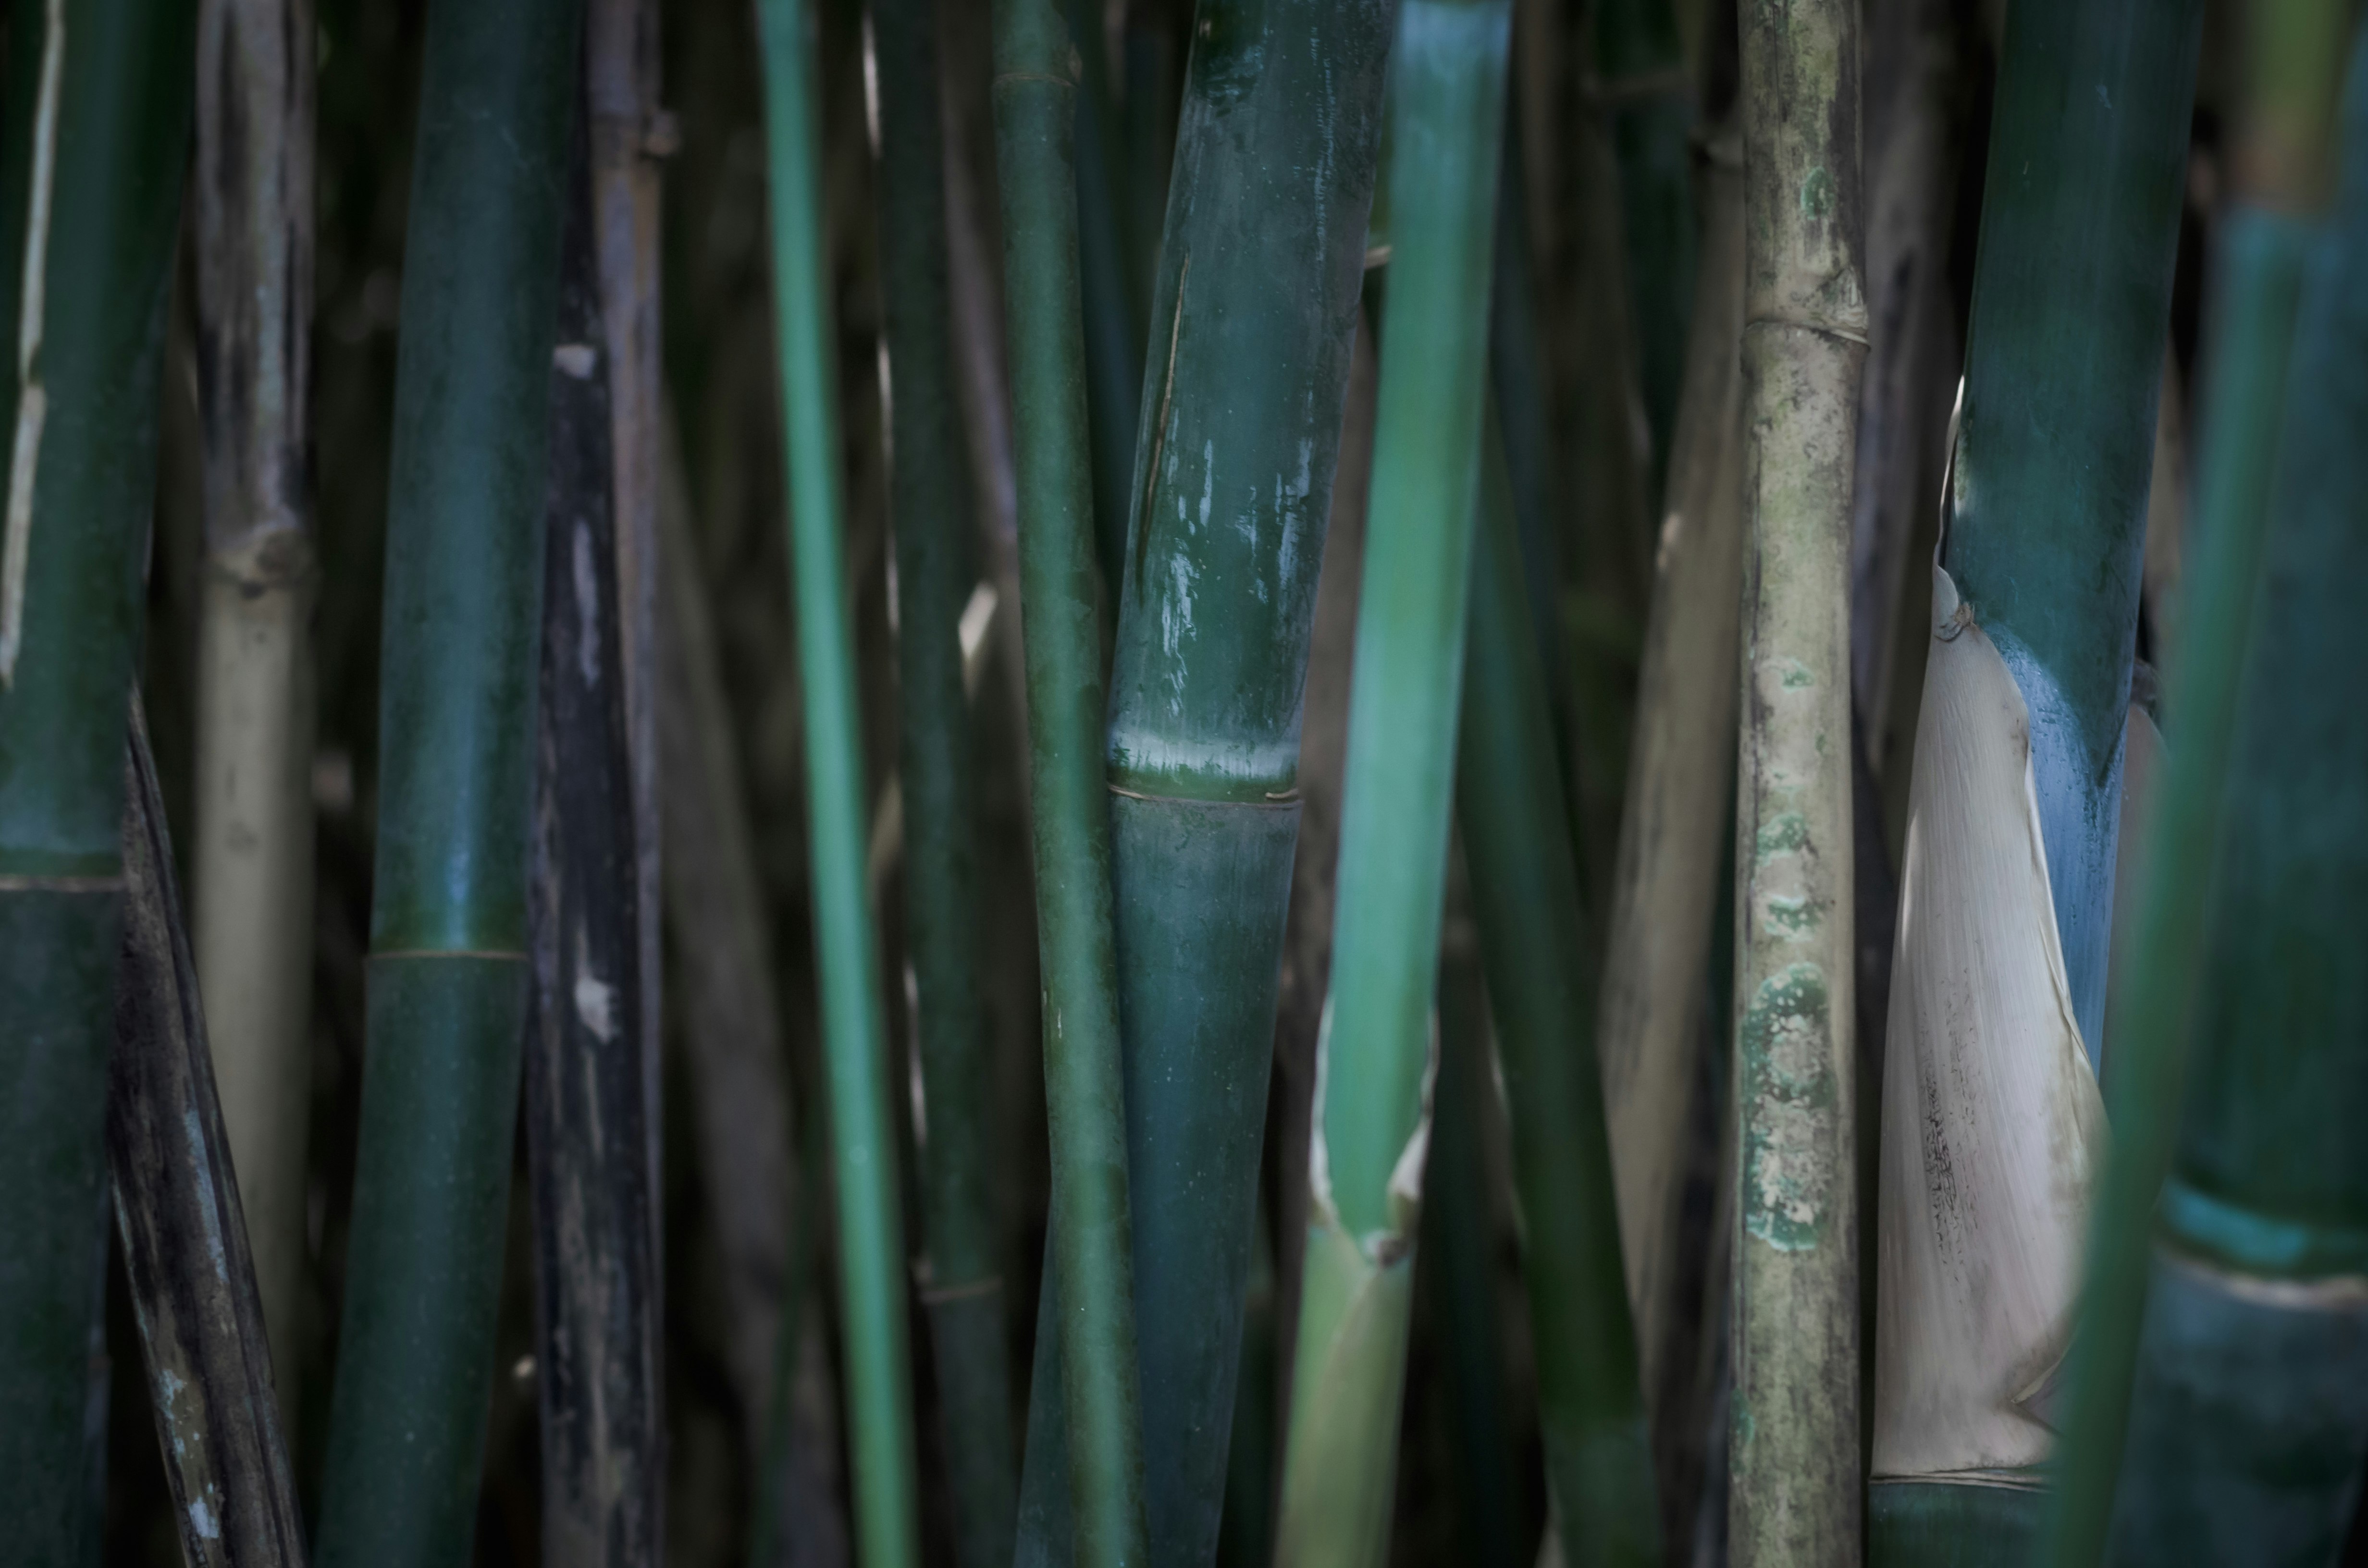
(252, 850)
(1795, 1492)
(92, 163)
(1110, 289)
(871, 1221)
(930, 501)
(1373, 1059)
(1088, 1309)
(2264, 245)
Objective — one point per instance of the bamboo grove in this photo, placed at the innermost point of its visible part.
(1183, 783)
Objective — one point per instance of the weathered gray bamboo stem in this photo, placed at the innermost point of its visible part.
(178, 1219)
(1795, 1476)
(252, 852)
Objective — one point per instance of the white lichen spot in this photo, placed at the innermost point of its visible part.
(203, 1521)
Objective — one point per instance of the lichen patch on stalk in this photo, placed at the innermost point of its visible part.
(1788, 1088)
(1784, 834)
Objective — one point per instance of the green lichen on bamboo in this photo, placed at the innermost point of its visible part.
(1794, 1493)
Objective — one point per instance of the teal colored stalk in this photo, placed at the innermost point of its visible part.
(1647, 94)
(871, 1221)
(1541, 984)
(2246, 1376)
(1246, 1534)
(1087, 1318)
(929, 498)
(1255, 317)
(1111, 285)
(2053, 461)
(448, 969)
(1373, 1054)
(92, 163)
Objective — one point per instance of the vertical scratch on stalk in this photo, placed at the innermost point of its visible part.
(32, 400)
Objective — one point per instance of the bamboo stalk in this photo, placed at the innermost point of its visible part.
(1087, 1315)
(871, 1222)
(1666, 880)
(179, 1217)
(1255, 314)
(2257, 1296)
(931, 508)
(1373, 1058)
(1110, 289)
(448, 977)
(1991, 1118)
(588, 1114)
(92, 161)
(252, 849)
(1793, 1495)
(1524, 881)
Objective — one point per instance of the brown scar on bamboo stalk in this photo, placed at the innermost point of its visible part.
(32, 397)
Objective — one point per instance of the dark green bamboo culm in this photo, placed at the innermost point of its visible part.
(1086, 1317)
(92, 162)
(1253, 322)
(1648, 97)
(184, 1255)
(929, 499)
(598, 1307)
(1365, 1156)
(1111, 286)
(2044, 537)
(448, 975)
(1534, 949)
(2245, 1400)
(873, 1349)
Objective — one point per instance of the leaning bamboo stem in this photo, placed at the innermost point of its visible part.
(1374, 1059)
(1088, 1304)
(95, 151)
(1794, 1496)
(252, 851)
(871, 1221)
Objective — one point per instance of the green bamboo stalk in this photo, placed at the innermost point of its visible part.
(1534, 942)
(2043, 540)
(1087, 1313)
(871, 1222)
(252, 850)
(448, 977)
(1365, 1161)
(1110, 287)
(92, 161)
(179, 1217)
(1794, 1492)
(2243, 1433)
(1256, 310)
(930, 499)
(1647, 94)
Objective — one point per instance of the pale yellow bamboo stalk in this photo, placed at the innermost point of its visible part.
(252, 852)
(1794, 1493)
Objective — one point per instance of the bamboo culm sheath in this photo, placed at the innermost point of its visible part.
(1254, 317)
(929, 498)
(447, 972)
(93, 158)
(875, 1362)
(1373, 1053)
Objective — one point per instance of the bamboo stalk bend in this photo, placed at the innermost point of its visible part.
(1793, 1490)
(251, 917)
(448, 969)
(1991, 1118)
(1374, 1057)
(870, 1221)
(599, 1313)
(1255, 317)
(1086, 1337)
(1533, 941)
(930, 503)
(92, 162)
(179, 1216)
(2240, 1401)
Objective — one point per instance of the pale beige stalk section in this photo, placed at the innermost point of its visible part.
(1795, 1493)
(32, 396)
(1993, 1129)
(1680, 773)
(251, 855)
